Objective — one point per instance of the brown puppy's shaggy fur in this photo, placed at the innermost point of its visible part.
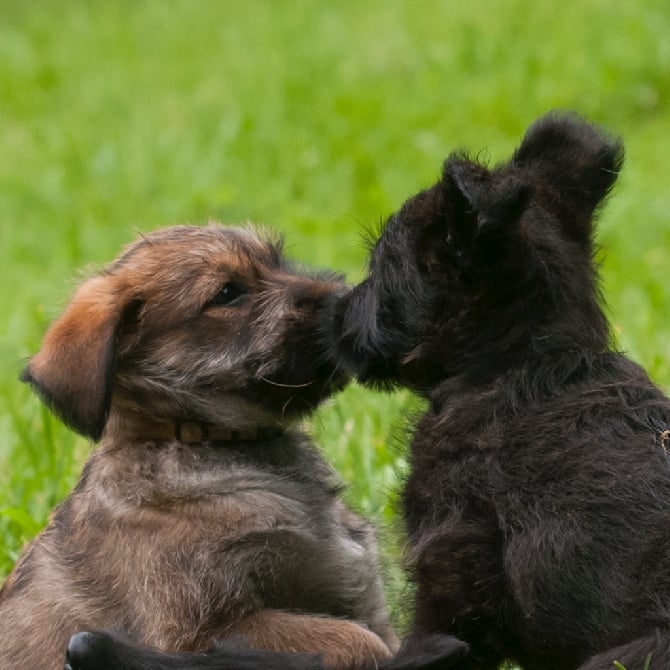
(200, 514)
(538, 504)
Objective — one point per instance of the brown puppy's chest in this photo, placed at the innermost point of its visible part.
(202, 540)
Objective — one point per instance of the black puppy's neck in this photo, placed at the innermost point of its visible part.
(514, 388)
(516, 342)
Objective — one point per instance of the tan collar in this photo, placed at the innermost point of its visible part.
(196, 432)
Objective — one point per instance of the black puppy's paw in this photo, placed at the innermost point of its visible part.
(88, 651)
(77, 651)
(432, 652)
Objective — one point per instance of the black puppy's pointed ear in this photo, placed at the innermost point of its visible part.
(577, 160)
(466, 186)
(469, 181)
(481, 200)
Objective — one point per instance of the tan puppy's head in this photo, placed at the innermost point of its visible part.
(207, 324)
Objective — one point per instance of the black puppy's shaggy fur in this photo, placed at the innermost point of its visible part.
(538, 506)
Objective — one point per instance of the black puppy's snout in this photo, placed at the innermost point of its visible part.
(337, 314)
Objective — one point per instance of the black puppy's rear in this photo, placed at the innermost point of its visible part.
(538, 504)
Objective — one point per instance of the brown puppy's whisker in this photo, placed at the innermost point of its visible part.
(284, 408)
(288, 386)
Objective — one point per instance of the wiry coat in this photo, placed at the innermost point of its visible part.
(203, 512)
(538, 503)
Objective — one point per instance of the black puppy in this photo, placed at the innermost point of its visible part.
(538, 505)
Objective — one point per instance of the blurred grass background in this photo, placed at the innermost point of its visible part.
(317, 119)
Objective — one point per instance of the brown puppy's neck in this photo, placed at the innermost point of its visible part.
(191, 432)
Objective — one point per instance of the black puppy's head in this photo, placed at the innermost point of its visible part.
(488, 266)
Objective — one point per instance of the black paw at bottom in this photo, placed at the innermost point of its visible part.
(77, 650)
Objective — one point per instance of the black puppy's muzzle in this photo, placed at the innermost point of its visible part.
(359, 341)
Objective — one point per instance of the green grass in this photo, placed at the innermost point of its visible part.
(314, 118)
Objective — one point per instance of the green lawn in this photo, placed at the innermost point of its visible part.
(315, 118)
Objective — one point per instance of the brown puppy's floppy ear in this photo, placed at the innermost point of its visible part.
(73, 371)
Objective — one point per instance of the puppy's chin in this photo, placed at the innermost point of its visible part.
(338, 381)
(369, 369)
(387, 373)
(296, 393)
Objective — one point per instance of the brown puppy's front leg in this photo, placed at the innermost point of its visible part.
(343, 644)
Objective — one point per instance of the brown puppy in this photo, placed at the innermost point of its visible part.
(199, 515)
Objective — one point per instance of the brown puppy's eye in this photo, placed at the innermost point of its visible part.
(230, 295)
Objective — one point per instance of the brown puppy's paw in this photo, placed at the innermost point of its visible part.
(356, 647)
